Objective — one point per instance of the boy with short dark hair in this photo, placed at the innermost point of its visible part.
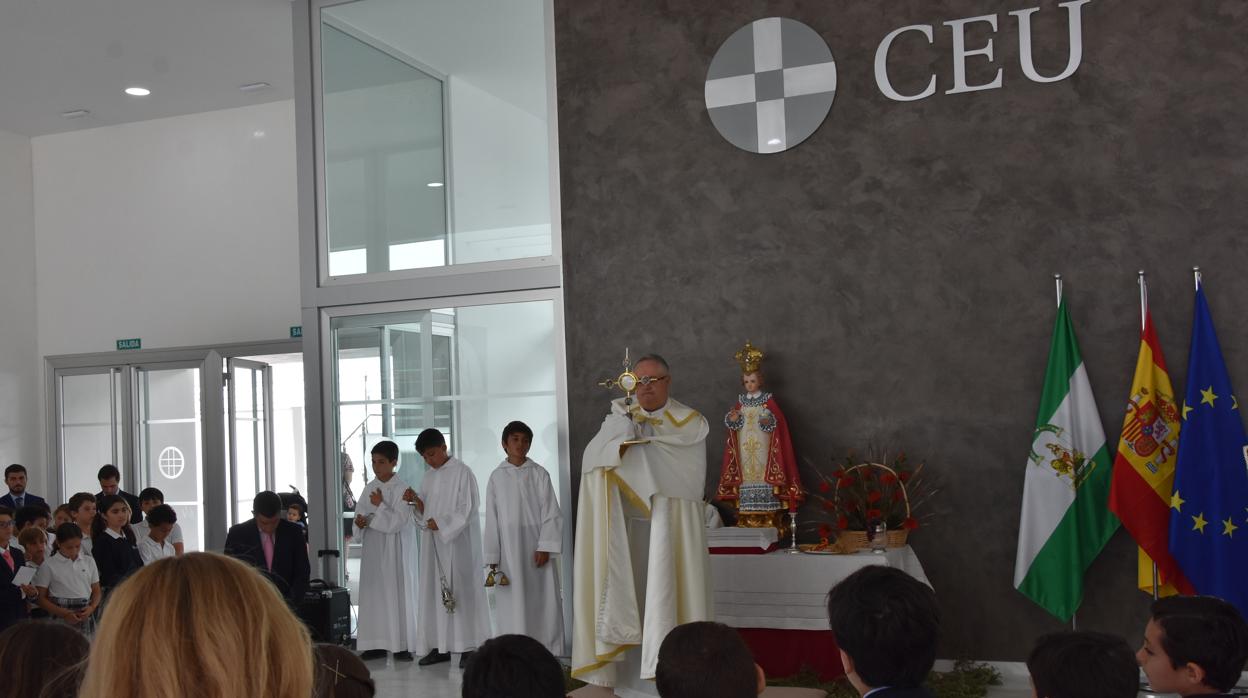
(886, 624)
(1083, 665)
(82, 509)
(523, 527)
(1194, 646)
(707, 660)
(150, 498)
(515, 666)
(160, 524)
(451, 615)
(386, 527)
(29, 516)
(12, 597)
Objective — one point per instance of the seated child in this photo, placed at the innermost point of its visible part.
(516, 666)
(69, 582)
(1083, 665)
(707, 660)
(1194, 646)
(872, 613)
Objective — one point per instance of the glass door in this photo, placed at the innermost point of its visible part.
(90, 408)
(249, 400)
(169, 440)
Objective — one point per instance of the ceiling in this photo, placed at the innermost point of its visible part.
(61, 55)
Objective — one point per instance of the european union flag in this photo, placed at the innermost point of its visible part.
(1209, 504)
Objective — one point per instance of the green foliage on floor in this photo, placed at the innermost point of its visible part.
(967, 680)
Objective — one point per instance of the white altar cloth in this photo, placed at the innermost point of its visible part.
(790, 591)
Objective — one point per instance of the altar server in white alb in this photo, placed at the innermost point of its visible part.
(452, 615)
(523, 527)
(386, 524)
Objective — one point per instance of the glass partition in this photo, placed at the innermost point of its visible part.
(435, 134)
(467, 371)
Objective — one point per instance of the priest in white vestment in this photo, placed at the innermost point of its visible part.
(523, 528)
(386, 525)
(452, 615)
(662, 480)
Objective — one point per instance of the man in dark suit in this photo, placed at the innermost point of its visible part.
(272, 545)
(18, 497)
(886, 625)
(110, 483)
(12, 598)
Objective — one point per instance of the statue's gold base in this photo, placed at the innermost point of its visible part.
(765, 519)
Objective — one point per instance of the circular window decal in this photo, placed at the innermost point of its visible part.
(770, 85)
(171, 462)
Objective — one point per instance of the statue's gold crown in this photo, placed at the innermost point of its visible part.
(750, 358)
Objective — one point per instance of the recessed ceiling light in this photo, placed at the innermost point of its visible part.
(138, 91)
(75, 114)
(434, 185)
(254, 87)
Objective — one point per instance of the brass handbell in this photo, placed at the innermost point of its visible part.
(489, 578)
(503, 581)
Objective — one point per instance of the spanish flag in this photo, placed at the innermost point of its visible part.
(1144, 465)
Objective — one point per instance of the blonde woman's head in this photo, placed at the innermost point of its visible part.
(199, 625)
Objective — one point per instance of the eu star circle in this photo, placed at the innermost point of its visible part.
(770, 85)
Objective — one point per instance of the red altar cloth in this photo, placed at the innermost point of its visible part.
(784, 653)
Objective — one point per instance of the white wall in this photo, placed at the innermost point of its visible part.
(179, 231)
(19, 400)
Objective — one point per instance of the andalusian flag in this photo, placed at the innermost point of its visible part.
(1065, 520)
(1144, 466)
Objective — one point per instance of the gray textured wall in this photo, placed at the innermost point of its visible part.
(897, 266)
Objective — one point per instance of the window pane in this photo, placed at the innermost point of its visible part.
(409, 87)
(383, 148)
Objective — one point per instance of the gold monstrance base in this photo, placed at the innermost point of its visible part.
(765, 519)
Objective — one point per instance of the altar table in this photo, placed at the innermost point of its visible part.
(778, 602)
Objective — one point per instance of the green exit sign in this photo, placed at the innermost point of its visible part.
(124, 344)
(296, 331)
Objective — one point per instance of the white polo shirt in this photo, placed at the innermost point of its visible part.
(152, 551)
(141, 530)
(68, 579)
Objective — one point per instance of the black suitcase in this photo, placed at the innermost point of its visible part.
(326, 610)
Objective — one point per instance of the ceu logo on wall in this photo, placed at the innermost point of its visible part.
(770, 85)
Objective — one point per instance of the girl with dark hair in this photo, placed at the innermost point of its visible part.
(113, 544)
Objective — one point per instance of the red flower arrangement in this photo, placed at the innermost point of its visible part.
(855, 493)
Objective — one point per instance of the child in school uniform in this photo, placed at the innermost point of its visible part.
(82, 510)
(149, 499)
(452, 615)
(523, 528)
(157, 544)
(69, 582)
(114, 546)
(34, 542)
(386, 526)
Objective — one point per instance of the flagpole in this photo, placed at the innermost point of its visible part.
(1057, 279)
(1196, 273)
(1143, 319)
